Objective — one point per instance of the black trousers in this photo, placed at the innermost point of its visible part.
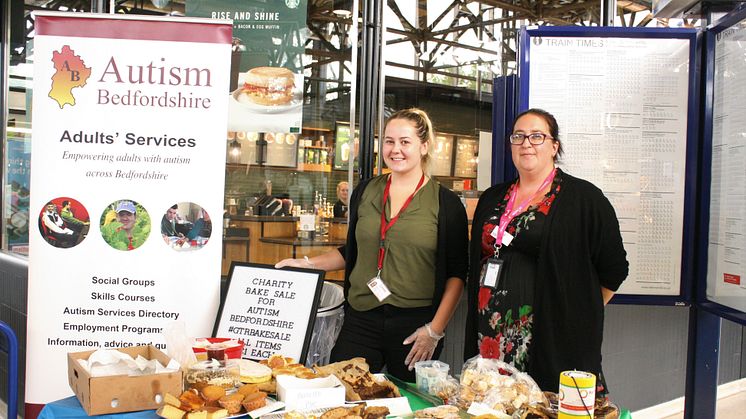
(377, 336)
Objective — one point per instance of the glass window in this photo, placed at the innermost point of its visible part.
(272, 175)
(443, 57)
(439, 56)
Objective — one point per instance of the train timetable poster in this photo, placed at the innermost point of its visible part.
(622, 106)
(726, 272)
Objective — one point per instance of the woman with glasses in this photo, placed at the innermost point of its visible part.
(546, 255)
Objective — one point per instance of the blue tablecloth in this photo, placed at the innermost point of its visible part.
(70, 408)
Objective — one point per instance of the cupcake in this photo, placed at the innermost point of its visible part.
(247, 389)
(254, 401)
(232, 403)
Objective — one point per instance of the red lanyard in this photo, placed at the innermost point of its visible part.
(387, 226)
(510, 213)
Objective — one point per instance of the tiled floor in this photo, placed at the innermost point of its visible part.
(731, 404)
(4, 411)
(731, 407)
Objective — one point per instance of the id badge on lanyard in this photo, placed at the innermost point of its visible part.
(379, 289)
(492, 269)
(491, 272)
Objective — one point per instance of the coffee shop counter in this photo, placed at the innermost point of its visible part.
(269, 239)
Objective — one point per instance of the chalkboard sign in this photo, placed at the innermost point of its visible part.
(271, 310)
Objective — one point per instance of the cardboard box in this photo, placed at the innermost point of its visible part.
(122, 393)
(301, 394)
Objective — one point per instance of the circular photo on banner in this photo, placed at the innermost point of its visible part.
(64, 222)
(125, 225)
(186, 226)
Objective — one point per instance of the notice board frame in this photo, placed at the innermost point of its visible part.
(504, 102)
(710, 36)
(684, 297)
(307, 334)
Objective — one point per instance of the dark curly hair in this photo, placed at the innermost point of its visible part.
(551, 123)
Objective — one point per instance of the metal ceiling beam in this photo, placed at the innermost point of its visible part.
(443, 14)
(321, 34)
(408, 27)
(476, 24)
(580, 5)
(507, 6)
(442, 41)
(421, 14)
(326, 52)
(645, 20)
(438, 72)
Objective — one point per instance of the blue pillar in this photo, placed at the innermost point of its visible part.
(702, 364)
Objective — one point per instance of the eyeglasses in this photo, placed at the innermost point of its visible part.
(534, 138)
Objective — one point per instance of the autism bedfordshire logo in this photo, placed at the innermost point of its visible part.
(71, 73)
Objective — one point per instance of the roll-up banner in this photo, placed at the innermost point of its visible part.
(128, 157)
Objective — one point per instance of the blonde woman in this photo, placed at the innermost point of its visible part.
(343, 200)
(405, 259)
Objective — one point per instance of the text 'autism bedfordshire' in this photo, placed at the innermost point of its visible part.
(163, 84)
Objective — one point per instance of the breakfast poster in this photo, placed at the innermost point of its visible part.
(128, 149)
(266, 68)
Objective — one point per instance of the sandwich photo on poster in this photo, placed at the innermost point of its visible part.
(266, 80)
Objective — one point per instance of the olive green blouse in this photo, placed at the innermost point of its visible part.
(411, 245)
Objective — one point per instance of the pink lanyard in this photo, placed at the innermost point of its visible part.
(511, 213)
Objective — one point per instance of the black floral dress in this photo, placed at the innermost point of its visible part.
(506, 312)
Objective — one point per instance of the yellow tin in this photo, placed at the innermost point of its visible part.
(577, 394)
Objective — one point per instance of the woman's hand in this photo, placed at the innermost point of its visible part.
(425, 340)
(294, 263)
(329, 261)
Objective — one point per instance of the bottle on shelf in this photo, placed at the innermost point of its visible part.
(324, 215)
(317, 212)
